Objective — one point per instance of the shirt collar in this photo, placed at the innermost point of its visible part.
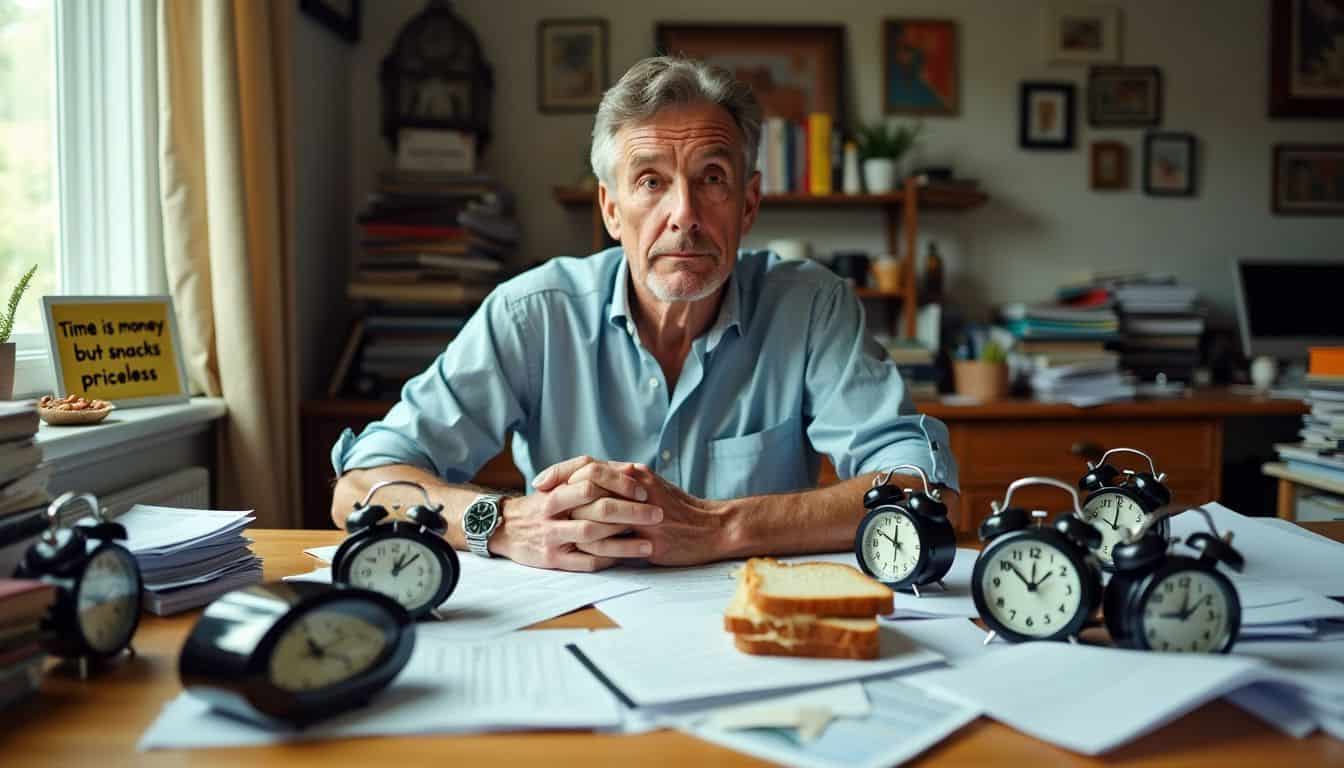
(730, 310)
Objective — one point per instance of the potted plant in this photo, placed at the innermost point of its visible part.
(6, 327)
(984, 378)
(882, 146)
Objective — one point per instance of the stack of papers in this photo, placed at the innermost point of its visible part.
(1301, 686)
(952, 599)
(188, 557)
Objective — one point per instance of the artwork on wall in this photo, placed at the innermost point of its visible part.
(793, 70)
(1082, 34)
(572, 64)
(919, 67)
(1306, 51)
(1169, 164)
(340, 16)
(1309, 179)
(1110, 165)
(1045, 119)
(1124, 96)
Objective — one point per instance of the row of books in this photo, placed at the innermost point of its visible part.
(1321, 450)
(800, 157)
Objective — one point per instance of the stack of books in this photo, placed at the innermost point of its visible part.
(1161, 322)
(916, 365)
(188, 557)
(1060, 322)
(1062, 350)
(23, 482)
(1321, 451)
(23, 604)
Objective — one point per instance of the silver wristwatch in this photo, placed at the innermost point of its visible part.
(480, 522)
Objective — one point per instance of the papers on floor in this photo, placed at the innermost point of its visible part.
(952, 599)
(188, 557)
(496, 596)
(524, 681)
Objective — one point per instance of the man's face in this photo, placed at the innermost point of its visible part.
(681, 202)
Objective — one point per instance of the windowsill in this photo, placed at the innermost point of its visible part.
(124, 429)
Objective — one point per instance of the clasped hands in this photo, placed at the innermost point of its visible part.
(586, 515)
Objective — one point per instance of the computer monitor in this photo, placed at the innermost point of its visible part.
(1284, 307)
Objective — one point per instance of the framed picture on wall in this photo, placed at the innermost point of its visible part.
(1110, 165)
(919, 67)
(1124, 96)
(1169, 166)
(1304, 58)
(793, 70)
(340, 16)
(1081, 34)
(572, 64)
(1045, 116)
(1308, 179)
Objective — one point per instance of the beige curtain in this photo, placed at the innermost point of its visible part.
(222, 132)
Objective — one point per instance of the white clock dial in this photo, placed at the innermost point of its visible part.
(1113, 514)
(891, 546)
(108, 601)
(324, 648)
(1186, 612)
(403, 569)
(1031, 587)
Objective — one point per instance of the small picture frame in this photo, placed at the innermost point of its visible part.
(1308, 180)
(1045, 116)
(1110, 165)
(1169, 164)
(1081, 34)
(573, 64)
(920, 74)
(1124, 97)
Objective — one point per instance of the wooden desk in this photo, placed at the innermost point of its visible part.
(73, 723)
(1292, 482)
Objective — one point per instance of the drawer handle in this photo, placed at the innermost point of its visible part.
(1089, 451)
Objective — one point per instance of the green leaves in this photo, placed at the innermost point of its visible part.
(7, 320)
(882, 140)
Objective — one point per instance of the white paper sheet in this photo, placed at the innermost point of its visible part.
(1316, 668)
(496, 596)
(953, 601)
(524, 681)
(1084, 698)
(1279, 706)
(166, 530)
(661, 665)
(1277, 602)
(905, 721)
(953, 639)
(1271, 553)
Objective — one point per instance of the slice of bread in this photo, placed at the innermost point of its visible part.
(818, 589)
(743, 618)
(773, 645)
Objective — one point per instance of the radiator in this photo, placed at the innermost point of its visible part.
(189, 488)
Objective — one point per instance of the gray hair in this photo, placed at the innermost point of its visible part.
(661, 81)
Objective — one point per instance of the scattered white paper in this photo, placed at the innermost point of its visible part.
(808, 712)
(1277, 602)
(166, 530)
(1271, 553)
(953, 600)
(1279, 706)
(524, 681)
(1315, 668)
(660, 665)
(953, 639)
(1055, 691)
(325, 554)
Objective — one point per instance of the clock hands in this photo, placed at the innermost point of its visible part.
(1024, 579)
(1115, 524)
(399, 566)
(1036, 584)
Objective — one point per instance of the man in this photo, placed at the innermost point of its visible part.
(669, 397)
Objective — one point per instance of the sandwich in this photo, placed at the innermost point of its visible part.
(821, 610)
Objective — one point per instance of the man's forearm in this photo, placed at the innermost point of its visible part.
(819, 520)
(354, 484)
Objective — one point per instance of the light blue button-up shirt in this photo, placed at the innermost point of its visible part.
(783, 375)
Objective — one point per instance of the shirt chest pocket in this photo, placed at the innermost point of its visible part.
(769, 461)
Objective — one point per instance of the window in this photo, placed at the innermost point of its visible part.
(78, 159)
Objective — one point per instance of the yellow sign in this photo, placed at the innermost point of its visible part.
(119, 348)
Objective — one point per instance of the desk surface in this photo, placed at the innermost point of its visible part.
(73, 723)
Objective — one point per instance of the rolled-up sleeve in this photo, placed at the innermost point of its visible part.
(860, 414)
(454, 417)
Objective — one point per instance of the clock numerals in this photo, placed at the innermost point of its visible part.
(1030, 587)
(1186, 612)
(891, 547)
(403, 569)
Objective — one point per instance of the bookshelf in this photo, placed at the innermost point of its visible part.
(901, 210)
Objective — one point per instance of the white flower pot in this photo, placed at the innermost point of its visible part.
(879, 175)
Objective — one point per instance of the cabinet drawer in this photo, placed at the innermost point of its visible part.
(975, 501)
(999, 452)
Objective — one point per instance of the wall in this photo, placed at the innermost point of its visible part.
(1043, 225)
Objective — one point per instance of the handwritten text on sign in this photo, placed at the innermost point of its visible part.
(116, 351)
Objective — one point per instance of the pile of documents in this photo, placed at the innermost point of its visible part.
(23, 481)
(23, 604)
(188, 557)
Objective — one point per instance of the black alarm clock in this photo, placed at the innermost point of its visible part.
(1159, 601)
(1120, 500)
(97, 606)
(291, 653)
(407, 560)
(1031, 582)
(904, 540)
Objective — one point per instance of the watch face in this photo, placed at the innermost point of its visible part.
(479, 519)
(108, 604)
(1113, 514)
(1187, 611)
(325, 648)
(1031, 587)
(891, 546)
(404, 569)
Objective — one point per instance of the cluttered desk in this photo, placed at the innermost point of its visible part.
(575, 688)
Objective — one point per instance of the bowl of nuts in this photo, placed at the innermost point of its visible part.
(72, 409)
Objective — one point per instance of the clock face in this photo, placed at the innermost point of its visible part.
(401, 568)
(1113, 514)
(1187, 611)
(324, 648)
(108, 604)
(891, 546)
(1031, 587)
(479, 519)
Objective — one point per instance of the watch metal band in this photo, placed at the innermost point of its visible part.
(480, 543)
